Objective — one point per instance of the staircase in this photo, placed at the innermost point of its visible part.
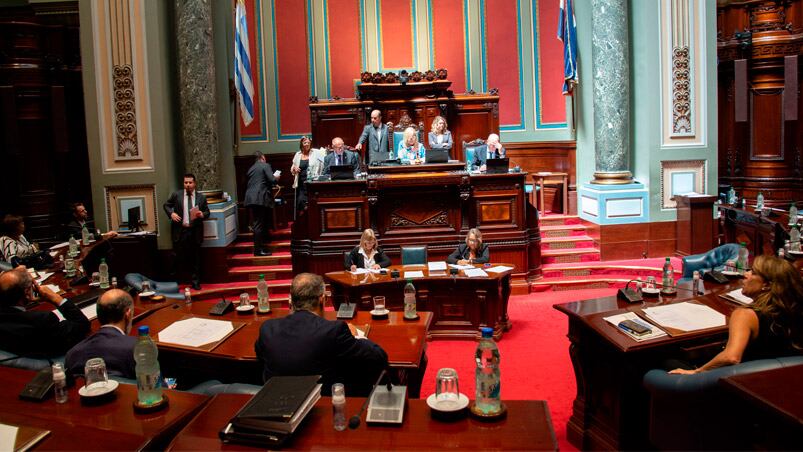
(570, 261)
(244, 268)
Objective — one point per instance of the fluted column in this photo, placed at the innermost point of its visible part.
(611, 68)
(196, 88)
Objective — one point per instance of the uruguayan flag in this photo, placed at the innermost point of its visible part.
(242, 65)
(567, 33)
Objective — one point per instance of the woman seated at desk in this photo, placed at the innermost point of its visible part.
(13, 245)
(367, 255)
(471, 252)
(772, 326)
(410, 150)
(439, 136)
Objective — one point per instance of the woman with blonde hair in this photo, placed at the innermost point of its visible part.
(772, 326)
(307, 164)
(439, 135)
(410, 150)
(471, 252)
(367, 254)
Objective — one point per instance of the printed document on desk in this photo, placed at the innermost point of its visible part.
(685, 316)
(475, 272)
(499, 269)
(414, 274)
(438, 266)
(737, 297)
(195, 332)
(615, 320)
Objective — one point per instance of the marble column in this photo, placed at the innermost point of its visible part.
(610, 63)
(197, 93)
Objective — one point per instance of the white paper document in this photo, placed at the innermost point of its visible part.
(414, 274)
(362, 271)
(91, 311)
(195, 332)
(59, 246)
(8, 437)
(436, 266)
(616, 319)
(55, 288)
(461, 267)
(475, 272)
(43, 276)
(738, 297)
(685, 316)
(498, 269)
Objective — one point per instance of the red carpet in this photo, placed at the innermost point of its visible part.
(535, 362)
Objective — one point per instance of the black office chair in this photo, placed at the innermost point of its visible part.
(411, 255)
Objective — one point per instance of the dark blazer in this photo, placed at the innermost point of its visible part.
(447, 141)
(74, 229)
(176, 204)
(304, 344)
(462, 252)
(378, 150)
(349, 158)
(354, 257)
(481, 154)
(260, 181)
(40, 333)
(116, 349)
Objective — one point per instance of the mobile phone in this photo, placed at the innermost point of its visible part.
(634, 327)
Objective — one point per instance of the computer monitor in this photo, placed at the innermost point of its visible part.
(436, 156)
(133, 219)
(341, 172)
(497, 166)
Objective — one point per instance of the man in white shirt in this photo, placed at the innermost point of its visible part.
(187, 209)
(376, 134)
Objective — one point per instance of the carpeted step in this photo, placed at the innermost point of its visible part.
(570, 255)
(277, 258)
(275, 234)
(563, 243)
(571, 230)
(580, 282)
(559, 220)
(247, 246)
(600, 269)
(252, 272)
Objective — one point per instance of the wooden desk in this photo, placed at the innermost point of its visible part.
(773, 399)
(527, 427)
(459, 305)
(762, 234)
(112, 426)
(541, 179)
(610, 410)
(235, 359)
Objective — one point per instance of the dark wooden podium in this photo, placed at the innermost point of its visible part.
(695, 224)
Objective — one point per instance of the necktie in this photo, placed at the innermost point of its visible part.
(338, 161)
(188, 207)
(496, 153)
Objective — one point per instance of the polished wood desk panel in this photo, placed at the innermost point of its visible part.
(610, 410)
(112, 426)
(459, 305)
(234, 359)
(527, 427)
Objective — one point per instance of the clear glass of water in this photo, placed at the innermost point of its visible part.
(95, 278)
(379, 304)
(447, 393)
(245, 300)
(96, 376)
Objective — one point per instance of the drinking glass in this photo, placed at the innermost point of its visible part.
(447, 393)
(650, 283)
(245, 300)
(96, 279)
(379, 304)
(69, 267)
(146, 285)
(730, 265)
(95, 376)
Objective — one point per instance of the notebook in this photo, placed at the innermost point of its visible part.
(280, 405)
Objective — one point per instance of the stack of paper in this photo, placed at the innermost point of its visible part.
(615, 320)
(738, 297)
(436, 266)
(461, 267)
(475, 272)
(685, 316)
(498, 269)
(195, 332)
(414, 274)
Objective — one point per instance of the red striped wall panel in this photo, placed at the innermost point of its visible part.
(293, 66)
(345, 62)
(397, 34)
(550, 63)
(448, 36)
(502, 57)
(256, 126)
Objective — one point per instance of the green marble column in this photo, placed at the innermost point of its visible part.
(610, 63)
(196, 90)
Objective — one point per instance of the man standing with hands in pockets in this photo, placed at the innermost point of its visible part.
(259, 201)
(187, 210)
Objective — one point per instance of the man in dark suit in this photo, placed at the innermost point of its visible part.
(187, 210)
(376, 134)
(492, 149)
(259, 201)
(111, 342)
(304, 343)
(340, 156)
(36, 333)
(80, 218)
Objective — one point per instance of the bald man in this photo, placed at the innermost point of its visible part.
(376, 134)
(111, 342)
(340, 156)
(37, 334)
(492, 149)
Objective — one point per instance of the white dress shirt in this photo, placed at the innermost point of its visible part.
(186, 217)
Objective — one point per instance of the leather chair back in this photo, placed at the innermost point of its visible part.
(413, 255)
(716, 257)
(168, 289)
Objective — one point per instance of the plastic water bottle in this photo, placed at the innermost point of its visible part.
(263, 298)
(187, 296)
(695, 283)
(794, 238)
(488, 381)
(741, 261)
(760, 201)
(149, 381)
(792, 214)
(85, 235)
(59, 383)
(73, 249)
(731, 196)
(409, 300)
(103, 269)
(339, 407)
(668, 278)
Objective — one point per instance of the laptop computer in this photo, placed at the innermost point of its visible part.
(341, 172)
(436, 156)
(496, 166)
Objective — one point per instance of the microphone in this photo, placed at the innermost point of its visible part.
(354, 421)
(657, 284)
(630, 295)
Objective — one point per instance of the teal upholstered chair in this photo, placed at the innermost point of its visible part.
(412, 255)
(711, 259)
(469, 150)
(397, 135)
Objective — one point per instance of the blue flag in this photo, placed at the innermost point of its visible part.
(242, 65)
(567, 33)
